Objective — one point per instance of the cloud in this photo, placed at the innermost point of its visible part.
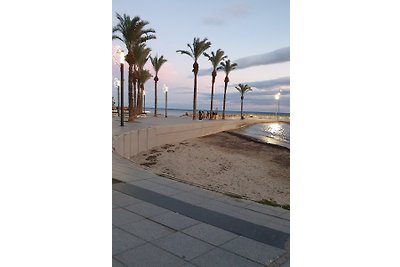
(262, 97)
(277, 56)
(238, 10)
(271, 86)
(214, 21)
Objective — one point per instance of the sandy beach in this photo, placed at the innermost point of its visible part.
(225, 163)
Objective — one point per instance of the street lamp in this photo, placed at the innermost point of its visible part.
(144, 102)
(121, 61)
(166, 99)
(117, 84)
(277, 97)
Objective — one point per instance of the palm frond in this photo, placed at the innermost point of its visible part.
(157, 62)
(184, 52)
(215, 58)
(243, 88)
(227, 66)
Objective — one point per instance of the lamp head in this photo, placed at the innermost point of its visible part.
(121, 57)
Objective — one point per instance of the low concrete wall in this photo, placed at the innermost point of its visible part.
(136, 141)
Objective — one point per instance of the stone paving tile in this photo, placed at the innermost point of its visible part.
(162, 189)
(121, 216)
(123, 200)
(269, 210)
(253, 250)
(263, 219)
(285, 215)
(220, 207)
(116, 263)
(172, 183)
(183, 245)
(146, 209)
(237, 202)
(147, 230)
(125, 177)
(190, 197)
(149, 255)
(122, 241)
(175, 220)
(207, 193)
(210, 234)
(286, 264)
(221, 258)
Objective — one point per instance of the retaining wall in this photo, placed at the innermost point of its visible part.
(134, 142)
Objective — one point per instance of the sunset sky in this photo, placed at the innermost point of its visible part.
(254, 34)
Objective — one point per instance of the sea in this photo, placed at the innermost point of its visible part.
(277, 133)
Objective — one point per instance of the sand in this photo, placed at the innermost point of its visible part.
(225, 163)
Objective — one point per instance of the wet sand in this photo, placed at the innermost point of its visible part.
(225, 163)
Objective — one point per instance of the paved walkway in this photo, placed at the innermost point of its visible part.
(162, 222)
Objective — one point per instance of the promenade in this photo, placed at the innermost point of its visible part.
(162, 222)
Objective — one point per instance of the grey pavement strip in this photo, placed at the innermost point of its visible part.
(122, 200)
(146, 209)
(183, 246)
(175, 220)
(210, 234)
(121, 216)
(222, 258)
(149, 255)
(253, 250)
(241, 227)
(147, 230)
(123, 241)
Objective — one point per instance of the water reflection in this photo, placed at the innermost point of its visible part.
(275, 133)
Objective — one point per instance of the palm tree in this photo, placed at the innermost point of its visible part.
(215, 59)
(157, 62)
(143, 54)
(143, 76)
(132, 33)
(198, 48)
(242, 89)
(227, 67)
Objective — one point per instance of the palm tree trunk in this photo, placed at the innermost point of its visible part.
(140, 99)
(155, 95)
(137, 98)
(130, 94)
(226, 86)
(195, 70)
(241, 107)
(214, 73)
(134, 91)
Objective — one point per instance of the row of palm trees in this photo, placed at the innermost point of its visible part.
(217, 58)
(132, 32)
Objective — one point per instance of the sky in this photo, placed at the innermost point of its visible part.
(255, 34)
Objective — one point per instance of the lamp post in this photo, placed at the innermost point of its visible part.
(121, 61)
(166, 99)
(144, 102)
(117, 85)
(277, 97)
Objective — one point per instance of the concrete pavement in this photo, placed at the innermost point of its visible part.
(162, 222)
